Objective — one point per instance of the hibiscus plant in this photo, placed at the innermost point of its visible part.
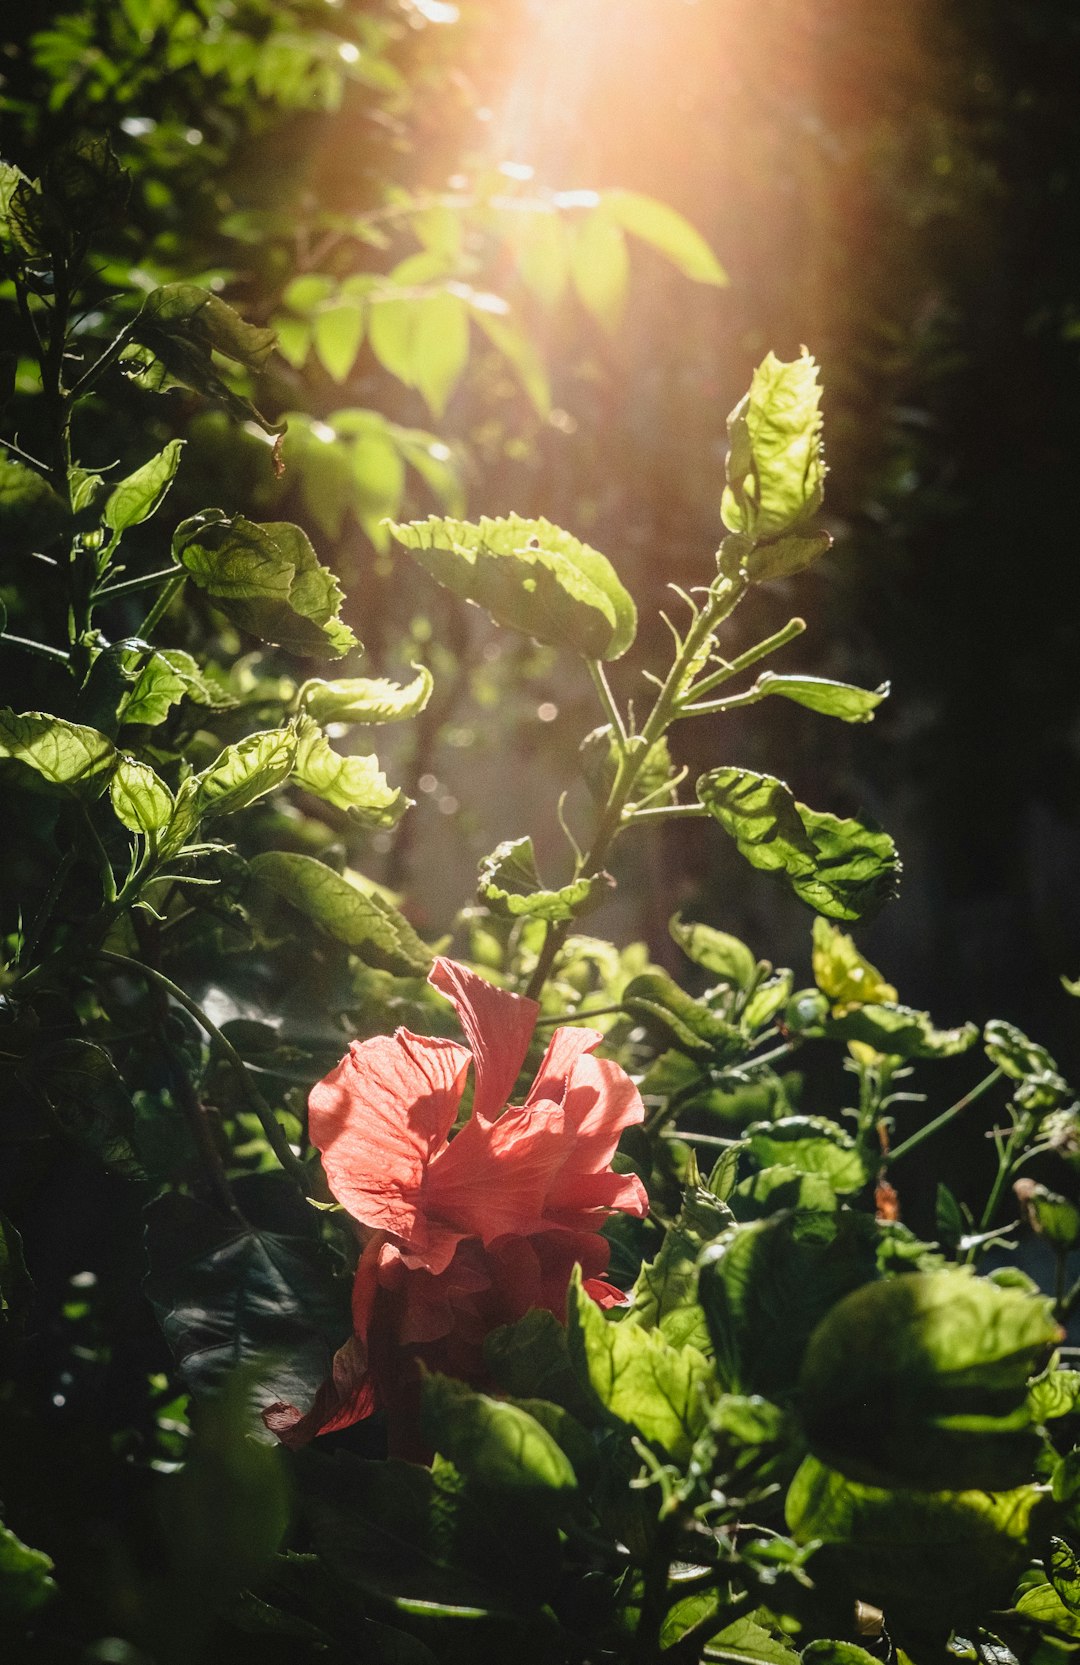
(583, 1340)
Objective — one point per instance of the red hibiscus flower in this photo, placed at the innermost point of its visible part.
(463, 1234)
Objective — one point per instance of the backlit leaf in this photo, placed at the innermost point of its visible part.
(362, 921)
(136, 498)
(531, 576)
(440, 348)
(775, 469)
(839, 867)
(355, 783)
(184, 326)
(600, 267)
(246, 772)
(167, 677)
(337, 335)
(813, 1145)
(657, 223)
(842, 973)
(141, 799)
(25, 1581)
(267, 579)
(818, 693)
(721, 955)
(364, 699)
(510, 883)
(65, 754)
(492, 1442)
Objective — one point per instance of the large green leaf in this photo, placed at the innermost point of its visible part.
(184, 326)
(25, 1581)
(360, 919)
(245, 772)
(365, 699)
(775, 469)
(922, 1381)
(813, 1145)
(767, 1284)
(267, 579)
(136, 498)
(931, 1559)
(141, 799)
(531, 576)
(746, 1642)
(839, 867)
(32, 515)
(723, 956)
(64, 754)
(638, 1377)
(899, 1031)
(355, 783)
(510, 883)
(657, 223)
(494, 1443)
(229, 1294)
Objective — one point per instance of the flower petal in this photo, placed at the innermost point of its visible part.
(379, 1117)
(605, 1294)
(577, 1195)
(601, 1101)
(492, 1179)
(565, 1047)
(499, 1027)
(347, 1396)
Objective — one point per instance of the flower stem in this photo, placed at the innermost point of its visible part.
(943, 1120)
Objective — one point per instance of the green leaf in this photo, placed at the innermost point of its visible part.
(531, 1358)
(767, 1284)
(1041, 1087)
(899, 1031)
(748, 1643)
(922, 1381)
(493, 1443)
(836, 1653)
(184, 326)
(817, 693)
(665, 1294)
(811, 1144)
(89, 1102)
(518, 349)
(600, 756)
(364, 699)
(228, 1295)
(1055, 1393)
(355, 783)
(721, 955)
(657, 223)
(638, 1377)
(779, 1189)
(140, 798)
(140, 495)
(1042, 1605)
(842, 973)
(839, 867)
(775, 468)
(169, 676)
(674, 1017)
(338, 334)
(530, 576)
(64, 754)
(1065, 1574)
(600, 267)
(931, 1559)
(510, 883)
(267, 579)
(32, 514)
(245, 772)
(1049, 1214)
(440, 347)
(25, 1582)
(360, 920)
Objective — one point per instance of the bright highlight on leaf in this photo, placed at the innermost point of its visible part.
(510, 884)
(775, 468)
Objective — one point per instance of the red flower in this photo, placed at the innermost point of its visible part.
(464, 1234)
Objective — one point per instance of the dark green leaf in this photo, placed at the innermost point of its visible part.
(813, 1145)
(922, 1381)
(599, 754)
(136, 498)
(228, 1294)
(494, 1443)
(267, 579)
(1065, 1574)
(14, 1278)
(184, 326)
(86, 180)
(367, 699)
(362, 920)
(32, 515)
(638, 1377)
(90, 1102)
(842, 868)
(780, 1188)
(665, 1294)
(510, 883)
(931, 1559)
(25, 1584)
(530, 576)
(766, 1285)
(530, 1358)
(674, 1017)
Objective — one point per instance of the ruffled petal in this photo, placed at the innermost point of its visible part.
(601, 1101)
(605, 1294)
(574, 1195)
(379, 1117)
(499, 1027)
(492, 1179)
(565, 1047)
(347, 1396)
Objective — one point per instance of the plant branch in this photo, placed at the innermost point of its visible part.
(607, 701)
(760, 650)
(915, 1139)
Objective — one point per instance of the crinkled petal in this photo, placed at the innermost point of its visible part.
(600, 1102)
(553, 1077)
(492, 1179)
(499, 1027)
(379, 1117)
(347, 1396)
(576, 1194)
